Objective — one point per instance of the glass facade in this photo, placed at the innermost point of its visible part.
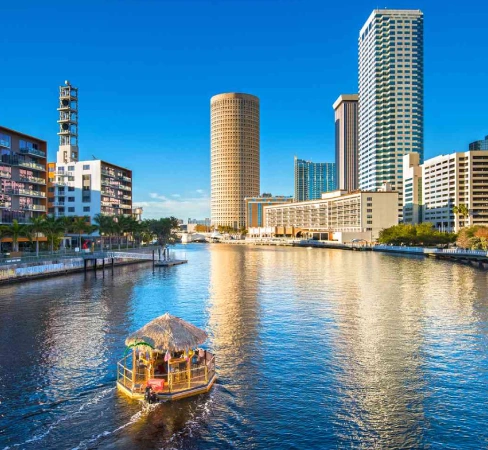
(479, 145)
(311, 179)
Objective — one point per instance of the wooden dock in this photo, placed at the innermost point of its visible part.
(170, 262)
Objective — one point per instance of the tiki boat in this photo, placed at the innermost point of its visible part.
(164, 355)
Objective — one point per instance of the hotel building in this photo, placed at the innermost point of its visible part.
(346, 142)
(391, 96)
(338, 216)
(453, 180)
(255, 208)
(312, 179)
(84, 188)
(234, 157)
(22, 176)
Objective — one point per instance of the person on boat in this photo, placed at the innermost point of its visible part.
(147, 394)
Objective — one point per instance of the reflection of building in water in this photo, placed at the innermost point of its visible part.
(390, 316)
(233, 308)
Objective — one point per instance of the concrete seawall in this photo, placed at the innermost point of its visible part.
(30, 271)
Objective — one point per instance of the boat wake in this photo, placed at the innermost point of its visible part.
(39, 437)
(195, 422)
(146, 409)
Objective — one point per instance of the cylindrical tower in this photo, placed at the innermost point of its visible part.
(234, 156)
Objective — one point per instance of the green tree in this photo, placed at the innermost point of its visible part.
(164, 229)
(461, 210)
(421, 234)
(81, 225)
(36, 226)
(15, 231)
(53, 229)
(103, 226)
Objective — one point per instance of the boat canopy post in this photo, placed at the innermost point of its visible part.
(134, 367)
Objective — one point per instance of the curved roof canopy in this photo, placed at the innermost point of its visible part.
(168, 332)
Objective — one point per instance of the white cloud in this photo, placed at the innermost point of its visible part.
(200, 191)
(155, 195)
(181, 207)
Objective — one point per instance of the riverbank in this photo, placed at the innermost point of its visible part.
(16, 273)
(474, 258)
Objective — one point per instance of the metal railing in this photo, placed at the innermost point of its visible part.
(174, 381)
(33, 151)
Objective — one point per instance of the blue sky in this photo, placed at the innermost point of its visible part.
(146, 70)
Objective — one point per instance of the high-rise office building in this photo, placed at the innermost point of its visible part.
(234, 156)
(479, 145)
(312, 179)
(346, 142)
(391, 92)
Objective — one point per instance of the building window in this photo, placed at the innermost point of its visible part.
(4, 140)
(71, 199)
(71, 168)
(51, 189)
(86, 166)
(86, 209)
(71, 209)
(71, 188)
(86, 199)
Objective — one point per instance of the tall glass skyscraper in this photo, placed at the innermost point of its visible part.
(311, 179)
(391, 96)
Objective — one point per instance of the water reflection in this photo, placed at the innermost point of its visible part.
(315, 349)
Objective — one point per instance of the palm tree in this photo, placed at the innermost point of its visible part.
(103, 224)
(15, 231)
(67, 223)
(53, 229)
(128, 226)
(36, 226)
(461, 210)
(80, 225)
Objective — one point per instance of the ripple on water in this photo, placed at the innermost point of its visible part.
(315, 349)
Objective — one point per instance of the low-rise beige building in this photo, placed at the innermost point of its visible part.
(338, 216)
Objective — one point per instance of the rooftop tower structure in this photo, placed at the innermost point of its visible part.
(68, 124)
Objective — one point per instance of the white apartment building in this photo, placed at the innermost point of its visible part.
(83, 188)
(452, 180)
(391, 96)
(87, 188)
(338, 215)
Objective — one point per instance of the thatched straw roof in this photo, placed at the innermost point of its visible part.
(168, 333)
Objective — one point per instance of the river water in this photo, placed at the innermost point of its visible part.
(315, 348)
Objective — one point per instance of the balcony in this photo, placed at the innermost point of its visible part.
(34, 180)
(32, 208)
(32, 151)
(26, 192)
(107, 173)
(125, 188)
(5, 174)
(59, 203)
(32, 165)
(5, 204)
(126, 206)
